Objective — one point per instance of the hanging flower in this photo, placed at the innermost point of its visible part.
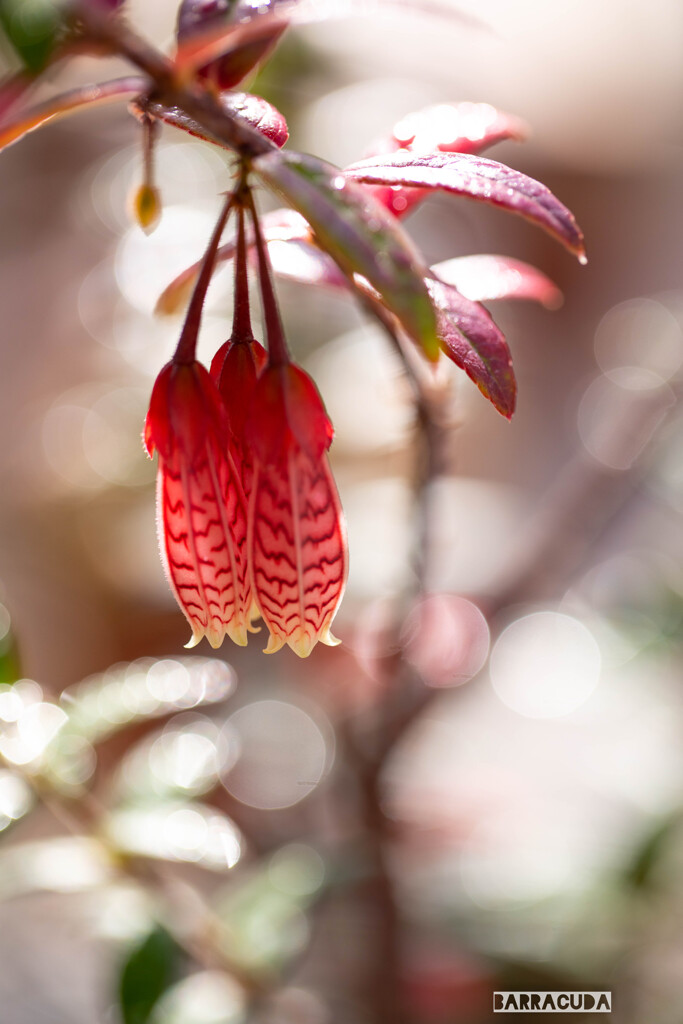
(297, 535)
(201, 510)
(238, 364)
(235, 368)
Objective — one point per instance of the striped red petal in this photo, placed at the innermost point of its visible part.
(297, 535)
(235, 368)
(202, 515)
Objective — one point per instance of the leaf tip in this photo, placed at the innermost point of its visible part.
(173, 299)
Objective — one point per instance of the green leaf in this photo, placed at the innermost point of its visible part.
(359, 235)
(10, 665)
(151, 968)
(31, 26)
(641, 870)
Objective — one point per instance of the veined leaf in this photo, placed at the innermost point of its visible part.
(479, 178)
(471, 339)
(359, 235)
(24, 121)
(257, 112)
(446, 127)
(485, 278)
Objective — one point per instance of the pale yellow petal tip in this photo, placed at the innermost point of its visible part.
(274, 644)
(193, 641)
(238, 635)
(252, 616)
(302, 645)
(326, 637)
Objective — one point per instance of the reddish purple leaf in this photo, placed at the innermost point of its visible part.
(242, 44)
(482, 179)
(257, 112)
(471, 339)
(199, 46)
(485, 278)
(22, 122)
(199, 21)
(359, 235)
(446, 127)
(456, 128)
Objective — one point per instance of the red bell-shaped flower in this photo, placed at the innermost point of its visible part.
(297, 535)
(235, 368)
(201, 509)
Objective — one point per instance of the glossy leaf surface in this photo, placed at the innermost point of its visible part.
(453, 128)
(474, 343)
(485, 180)
(448, 127)
(486, 278)
(226, 41)
(358, 233)
(257, 112)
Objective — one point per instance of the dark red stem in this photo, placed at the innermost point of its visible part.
(241, 319)
(149, 134)
(187, 346)
(278, 353)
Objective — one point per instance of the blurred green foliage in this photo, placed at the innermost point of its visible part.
(10, 664)
(151, 968)
(31, 27)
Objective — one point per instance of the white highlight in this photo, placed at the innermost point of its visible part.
(545, 665)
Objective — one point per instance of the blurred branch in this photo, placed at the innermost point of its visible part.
(119, 39)
(574, 514)
(586, 497)
(194, 926)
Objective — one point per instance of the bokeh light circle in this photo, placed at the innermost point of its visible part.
(283, 757)
(545, 665)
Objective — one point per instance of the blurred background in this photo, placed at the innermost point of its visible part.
(536, 804)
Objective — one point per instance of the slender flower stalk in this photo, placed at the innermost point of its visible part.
(240, 361)
(297, 535)
(201, 508)
(146, 199)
